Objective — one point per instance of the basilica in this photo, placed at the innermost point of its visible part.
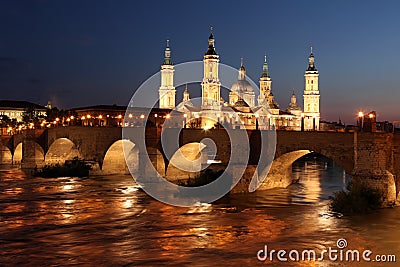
(244, 109)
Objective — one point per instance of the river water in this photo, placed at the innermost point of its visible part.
(109, 221)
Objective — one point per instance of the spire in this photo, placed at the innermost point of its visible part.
(242, 71)
(265, 68)
(211, 40)
(293, 99)
(167, 55)
(311, 61)
(186, 97)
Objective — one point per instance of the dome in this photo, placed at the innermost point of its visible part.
(241, 103)
(242, 86)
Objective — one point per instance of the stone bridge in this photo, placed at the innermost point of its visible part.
(372, 158)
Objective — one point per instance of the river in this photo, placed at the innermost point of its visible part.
(109, 221)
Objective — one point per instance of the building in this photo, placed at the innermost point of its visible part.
(14, 110)
(311, 96)
(113, 116)
(241, 110)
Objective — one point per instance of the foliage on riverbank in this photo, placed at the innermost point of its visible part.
(71, 168)
(357, 199)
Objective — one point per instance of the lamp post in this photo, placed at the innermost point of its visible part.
(360, 121)
(314, 126)
(302, 122)
(269, 121)
(184, 120)
(168, 116)
(257, 121)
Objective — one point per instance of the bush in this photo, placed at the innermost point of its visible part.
(71, 168)
(357, 199)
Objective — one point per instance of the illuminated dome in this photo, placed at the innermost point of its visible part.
(242, 85)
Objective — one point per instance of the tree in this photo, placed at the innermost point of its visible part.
(4, 121)
(31, 115)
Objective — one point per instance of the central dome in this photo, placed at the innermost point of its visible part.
(242, 86)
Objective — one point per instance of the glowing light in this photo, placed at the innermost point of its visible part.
(155, 115)
(88, 116)
(119, 116)
(68, 120)
(100, 116)
(142, 116)
(130, 116)
(302, 115)
(168, 116)
(83, 118)
(371, 116)
(257, 115)
(185, 115)
(206, 127)
(72, 117)
(57, 119)
(360, 114)
(218, 115)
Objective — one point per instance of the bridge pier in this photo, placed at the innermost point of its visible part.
(373, 164)
(32, 153)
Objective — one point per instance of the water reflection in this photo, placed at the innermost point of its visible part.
(110, 221)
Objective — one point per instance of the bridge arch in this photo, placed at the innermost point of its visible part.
(280, 173)
(17, 155)
(37, 153)
(60, 150)
(114, 161)
(186, 162)
(5, 155)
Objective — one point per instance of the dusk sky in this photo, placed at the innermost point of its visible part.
(79, 53)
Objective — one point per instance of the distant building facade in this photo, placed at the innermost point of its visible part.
(15, 109)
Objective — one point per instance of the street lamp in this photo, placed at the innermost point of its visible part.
(314, 126)
(257, 121)
(184, 120)
(302, 122)
(360, 120)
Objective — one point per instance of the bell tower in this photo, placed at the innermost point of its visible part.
(210, 87)
(265, 84)
(311, 96)
(167, 90)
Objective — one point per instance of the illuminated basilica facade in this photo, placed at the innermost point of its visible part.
(243, 109)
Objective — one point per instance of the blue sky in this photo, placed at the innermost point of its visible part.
(78, 53)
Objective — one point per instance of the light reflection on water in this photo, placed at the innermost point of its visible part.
(109, 221)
